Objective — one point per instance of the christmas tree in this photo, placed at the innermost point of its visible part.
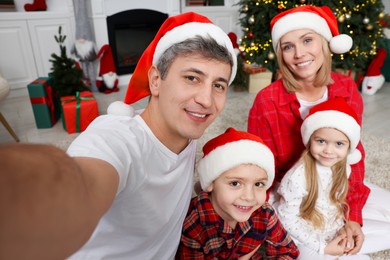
(361, 19)
(67, 77)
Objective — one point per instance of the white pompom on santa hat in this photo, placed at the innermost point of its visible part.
(230, 150)
(319, 19)
(174, 30)
(334, 113)
(374, 79)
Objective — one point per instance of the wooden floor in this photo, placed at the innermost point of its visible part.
(18, 113)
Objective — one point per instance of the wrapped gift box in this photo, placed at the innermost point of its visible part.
(78, 111)
(46, 107)
(259, 80)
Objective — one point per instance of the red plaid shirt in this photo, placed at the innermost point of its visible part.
(275, 117)
(205, 235)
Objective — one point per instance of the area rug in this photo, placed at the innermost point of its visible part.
(235, 115)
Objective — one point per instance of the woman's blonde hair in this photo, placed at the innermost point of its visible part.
(323, 77)
(337, 195)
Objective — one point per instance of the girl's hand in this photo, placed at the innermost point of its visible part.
(336, 247)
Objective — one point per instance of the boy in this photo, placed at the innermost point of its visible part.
(230, 218)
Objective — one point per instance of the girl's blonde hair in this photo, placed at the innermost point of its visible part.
(323, 77)
(337, 195)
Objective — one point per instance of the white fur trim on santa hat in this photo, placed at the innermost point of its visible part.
(119, 108)
(338, 120)
(307, 20)
(233, 154)
(189, 30)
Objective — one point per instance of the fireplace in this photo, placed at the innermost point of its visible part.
(129, 33)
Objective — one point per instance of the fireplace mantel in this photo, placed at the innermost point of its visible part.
(100, 9)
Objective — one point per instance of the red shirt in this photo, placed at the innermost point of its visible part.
(206, 235)
(275, 117)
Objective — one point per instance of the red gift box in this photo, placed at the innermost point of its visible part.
(78, 111)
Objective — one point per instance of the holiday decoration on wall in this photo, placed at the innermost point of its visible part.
(37, 5)
(358, 19)
(67, 76)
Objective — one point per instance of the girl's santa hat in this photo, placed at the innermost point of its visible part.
(319, 19)
(232, 149)
(334, 113)
(174, 30)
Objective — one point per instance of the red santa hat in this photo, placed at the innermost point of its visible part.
(334, 113)
(107, 63)
(319, 19)
(374, 79)
(175, 29)
(232, 149)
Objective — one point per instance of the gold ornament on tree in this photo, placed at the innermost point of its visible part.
(381, 15)
(302, 1)
(366, 20)
(245, 8)
(341, 19)
(251, 19)
(271, 55)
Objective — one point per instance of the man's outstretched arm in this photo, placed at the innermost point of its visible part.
(50, 203)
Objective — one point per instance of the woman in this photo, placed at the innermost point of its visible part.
(303, 39)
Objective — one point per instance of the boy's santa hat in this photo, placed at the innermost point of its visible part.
(107, 63)
(334, 113)
(174, 30)
(319, 19)
(374, 79)
(232, 149)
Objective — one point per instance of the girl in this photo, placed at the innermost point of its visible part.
(313, 205)
(304, 39)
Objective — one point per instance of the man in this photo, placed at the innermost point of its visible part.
(130, 176)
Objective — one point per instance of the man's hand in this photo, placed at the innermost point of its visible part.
(355, 237)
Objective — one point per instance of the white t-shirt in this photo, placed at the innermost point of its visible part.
(155, 188)
(307, 105)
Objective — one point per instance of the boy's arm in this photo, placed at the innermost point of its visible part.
(50, 203)
(279, 244)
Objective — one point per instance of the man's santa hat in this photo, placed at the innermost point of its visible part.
(174, 30)
(232, 149)
(374, 79)
(319, 19)
(334, 113)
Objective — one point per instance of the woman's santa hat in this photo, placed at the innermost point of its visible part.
(232, 149)
(319, 19)
(174, 30)
(334, 113)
